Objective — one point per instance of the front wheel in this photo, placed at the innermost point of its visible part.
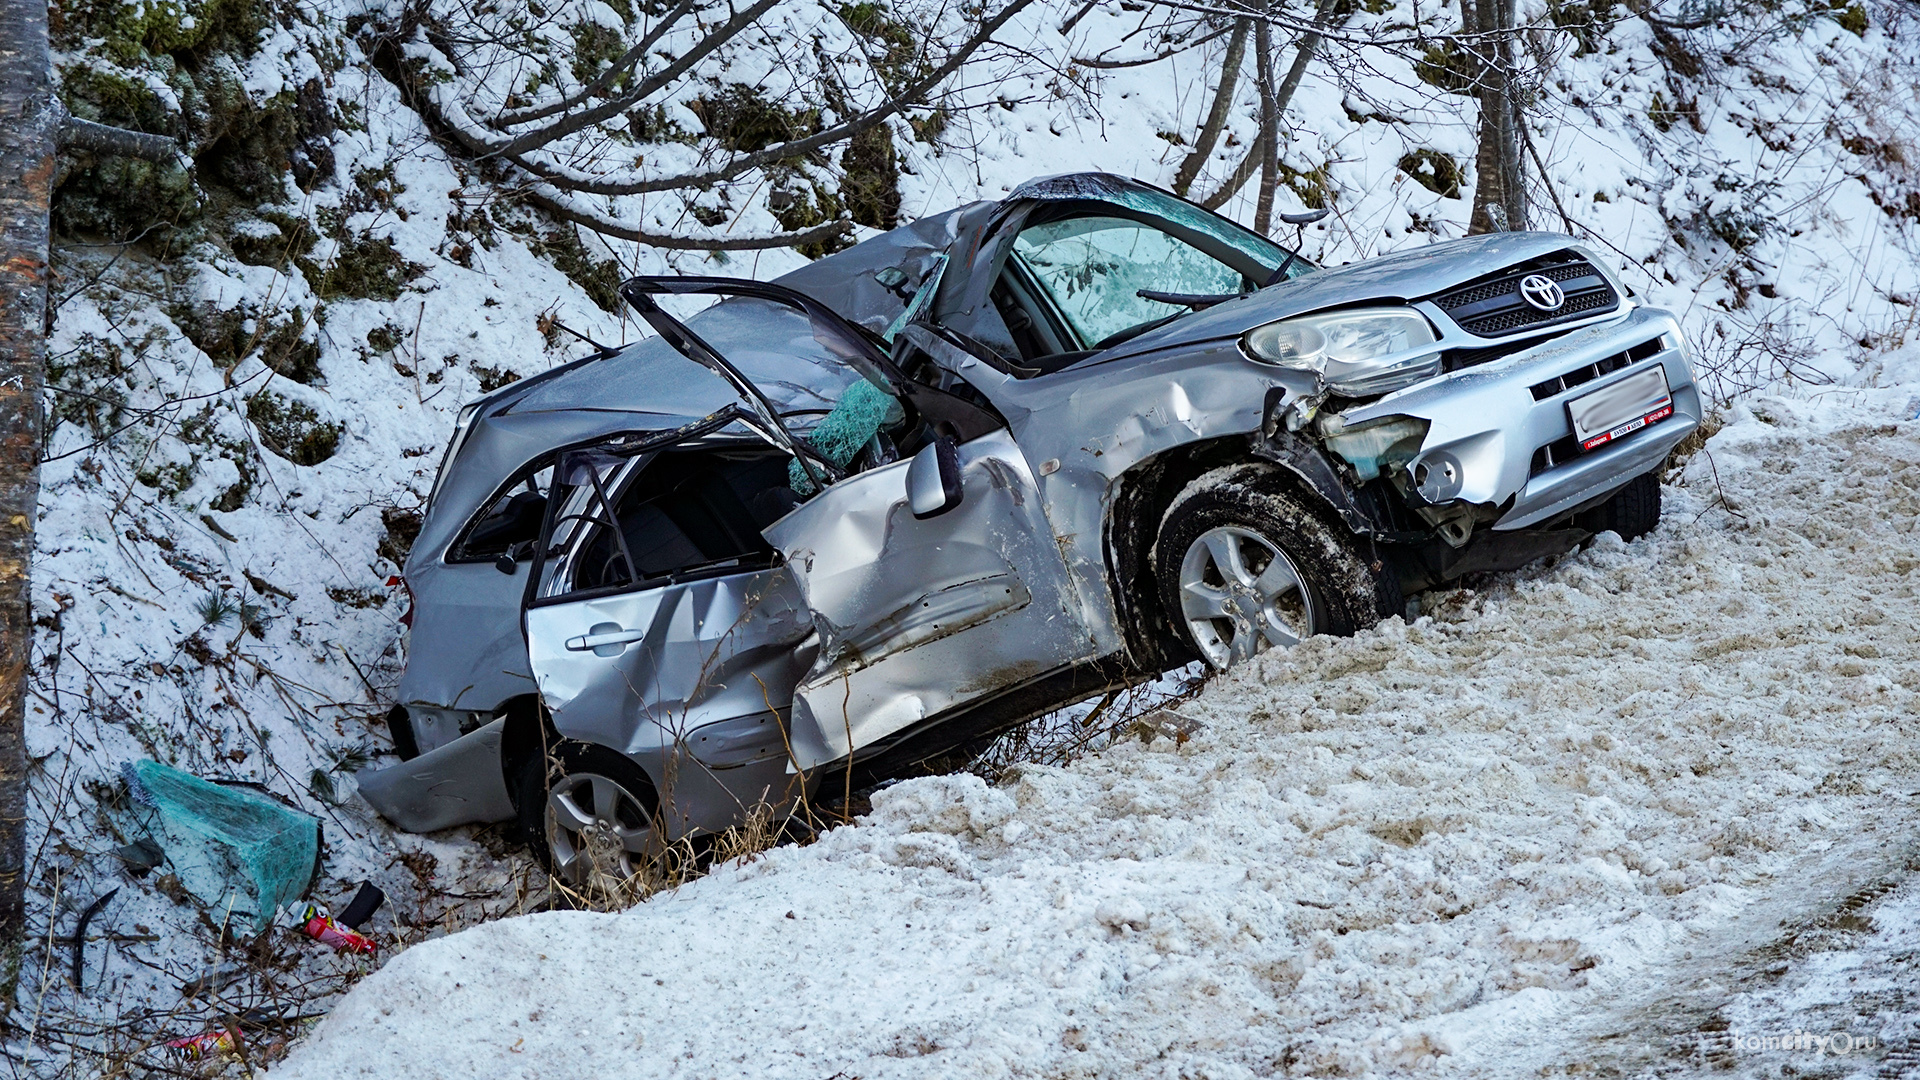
(1246, 564)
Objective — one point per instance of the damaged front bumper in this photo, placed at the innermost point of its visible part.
(459, 783)
(1499, 434)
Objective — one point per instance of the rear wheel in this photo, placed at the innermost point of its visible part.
(587, 814)
(1246, 564)
(1634, 510)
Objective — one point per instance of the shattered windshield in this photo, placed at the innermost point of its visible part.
(1176, 212)
(1095, 268)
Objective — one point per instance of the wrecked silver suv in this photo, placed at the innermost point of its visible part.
(997, 461)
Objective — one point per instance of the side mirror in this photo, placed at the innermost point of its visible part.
(933, 479)
(509, 560)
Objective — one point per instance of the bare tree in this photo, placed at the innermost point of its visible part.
(1499, 193)
(1209, 135)
(33, 127)
(1264, 155)
(563, 145)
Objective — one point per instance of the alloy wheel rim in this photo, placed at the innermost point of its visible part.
(595, 825)
(1240, 594)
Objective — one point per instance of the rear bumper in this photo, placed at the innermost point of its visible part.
(456, 784)
(1496, 424)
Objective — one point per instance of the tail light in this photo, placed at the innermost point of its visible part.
(406, 617)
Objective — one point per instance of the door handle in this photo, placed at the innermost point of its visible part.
(603, 638)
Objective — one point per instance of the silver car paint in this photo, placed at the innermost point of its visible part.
(446, 786)
(696, 692)
(918, 616)
(462, 655)
(874, 581)
(1485, 418)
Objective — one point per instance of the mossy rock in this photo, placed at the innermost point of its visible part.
(870, 187)
(594, 46)
(1448, 67)
(652, 124)
(800, 203)
(131, 32)
(1853, 20)
(292, 429)
(1433, 170)
(741, 119)
(367, 269)
(272, 239)
(900, 58)
(241, 144)
(170, 479)
(229, 335)
(598, 278)
(107, 96)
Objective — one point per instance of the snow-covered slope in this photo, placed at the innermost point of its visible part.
(248, 416)
(1428, 844)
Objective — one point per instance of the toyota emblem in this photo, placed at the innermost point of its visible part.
(1542, 292)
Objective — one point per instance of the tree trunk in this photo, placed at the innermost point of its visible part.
(1499, 193)
(1257, 153)
(1269, 139)
(29, 126)
(1209, 134)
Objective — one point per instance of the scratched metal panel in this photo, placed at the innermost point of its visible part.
(916, 617)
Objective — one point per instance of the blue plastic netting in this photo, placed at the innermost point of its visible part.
(236, 851)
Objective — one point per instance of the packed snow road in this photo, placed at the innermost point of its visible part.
(1429, 847)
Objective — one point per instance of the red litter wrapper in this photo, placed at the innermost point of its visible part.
(205, 1044)
(323, 929)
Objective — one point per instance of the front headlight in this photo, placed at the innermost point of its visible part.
(1357, 353)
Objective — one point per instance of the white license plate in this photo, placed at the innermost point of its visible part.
(1621, 408)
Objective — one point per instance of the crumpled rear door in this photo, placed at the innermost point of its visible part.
(689, 672)
(917, 617)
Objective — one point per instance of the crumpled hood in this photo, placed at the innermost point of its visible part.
(1397, 278)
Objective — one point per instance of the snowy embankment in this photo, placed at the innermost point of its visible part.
(1441, 843)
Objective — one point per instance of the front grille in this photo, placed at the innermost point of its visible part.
(1580, 375)
(1565, 449)
(1557, 452)
(1492, 306)
(1455, 359)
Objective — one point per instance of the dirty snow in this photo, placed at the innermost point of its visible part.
(1426, 845)
(1614, 759)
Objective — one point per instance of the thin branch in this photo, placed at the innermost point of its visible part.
(652, 84)
(555, 203)
(794, 148)
(516, 117)
(1203, 143)
(1142, 61)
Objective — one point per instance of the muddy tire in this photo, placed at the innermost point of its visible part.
(1244, 562)
(587, 812)
(1633, 511)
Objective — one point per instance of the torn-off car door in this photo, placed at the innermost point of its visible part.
(660, 624)
(918, 615)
